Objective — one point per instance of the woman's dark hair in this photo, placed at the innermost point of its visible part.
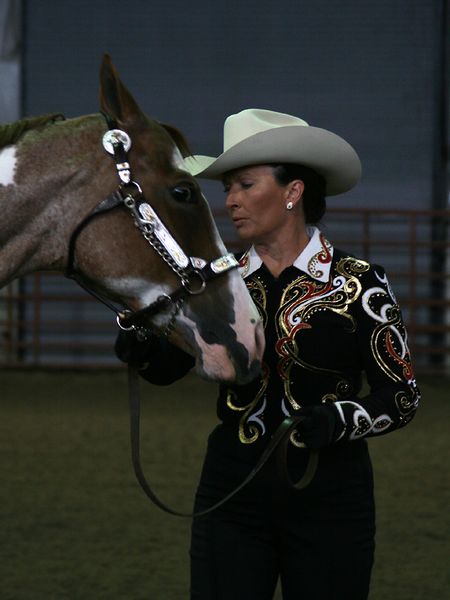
(314, 203)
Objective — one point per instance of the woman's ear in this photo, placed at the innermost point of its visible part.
(295, 191)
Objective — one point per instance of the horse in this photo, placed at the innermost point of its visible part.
(104, 199)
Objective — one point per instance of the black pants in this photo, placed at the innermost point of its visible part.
(319, 542)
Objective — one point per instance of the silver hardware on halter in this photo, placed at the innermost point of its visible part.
(116, 136)
(224, 263)
(123, 170)
(148, 215)
(198, 263)
(193, 272)
(121, 316)
(129, 200)
(187, 284)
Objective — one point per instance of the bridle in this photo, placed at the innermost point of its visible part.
(194, 274)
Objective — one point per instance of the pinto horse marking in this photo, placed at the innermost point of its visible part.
(7, 165)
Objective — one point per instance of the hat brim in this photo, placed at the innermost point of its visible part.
(319, 149)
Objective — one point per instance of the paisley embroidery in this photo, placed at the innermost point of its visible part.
(363, 424)
(301, 300)
(323, 257)
(259, 296)
(388, 342)
(343, 295)
(248, 431)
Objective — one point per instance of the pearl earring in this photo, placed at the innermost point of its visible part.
(289, 206)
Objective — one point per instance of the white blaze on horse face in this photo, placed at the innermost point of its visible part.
(218, 361)
(212, 360)
(7, 165)
(141, 289)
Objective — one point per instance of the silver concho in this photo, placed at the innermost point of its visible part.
(224, 263)
(197, 263)
(148, 214)
(114, 136)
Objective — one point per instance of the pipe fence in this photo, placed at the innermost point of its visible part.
(47, 321)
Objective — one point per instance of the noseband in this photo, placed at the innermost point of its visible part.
(194, 273)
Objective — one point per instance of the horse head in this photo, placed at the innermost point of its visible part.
(162, 256)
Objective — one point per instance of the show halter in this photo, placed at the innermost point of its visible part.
(193, 273)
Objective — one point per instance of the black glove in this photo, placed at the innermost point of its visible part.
(320, 426)
(132, 348)
(158, 361)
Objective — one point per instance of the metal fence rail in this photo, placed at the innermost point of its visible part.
(47, 321)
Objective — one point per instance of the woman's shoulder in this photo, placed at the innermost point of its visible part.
(345, 262)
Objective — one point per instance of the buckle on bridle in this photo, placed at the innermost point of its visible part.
(187, 282)
(122, 316)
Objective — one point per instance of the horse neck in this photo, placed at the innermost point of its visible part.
(56, 176)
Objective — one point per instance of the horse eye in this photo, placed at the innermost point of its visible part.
(183, 193)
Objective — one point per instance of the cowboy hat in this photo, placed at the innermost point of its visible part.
(256, 136)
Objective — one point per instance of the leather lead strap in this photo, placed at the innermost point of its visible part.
(278, 446)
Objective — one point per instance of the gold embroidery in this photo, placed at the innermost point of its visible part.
(330, 398)
(295, 440)
(259, 296)
(248, 432)
(301, 300)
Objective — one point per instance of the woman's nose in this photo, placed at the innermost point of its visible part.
(231, 200)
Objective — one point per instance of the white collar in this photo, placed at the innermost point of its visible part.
(314, 260)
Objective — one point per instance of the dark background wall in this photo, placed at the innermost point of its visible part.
(368, 71)
(371, 71)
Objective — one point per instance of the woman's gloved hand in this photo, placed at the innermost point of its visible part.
(132, 348)
(320, 426)
(157, 360)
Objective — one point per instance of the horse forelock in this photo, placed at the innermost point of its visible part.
(10, 133)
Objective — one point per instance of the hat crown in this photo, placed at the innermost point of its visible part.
(251, 121)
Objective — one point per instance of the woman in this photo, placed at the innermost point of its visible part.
(329, 317)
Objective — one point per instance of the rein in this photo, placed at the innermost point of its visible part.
(276, 449)
(194, 274)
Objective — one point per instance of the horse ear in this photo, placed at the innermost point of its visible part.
(115, 100)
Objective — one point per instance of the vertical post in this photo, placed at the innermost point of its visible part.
(412, 292)
(439, 225)
(37, 303)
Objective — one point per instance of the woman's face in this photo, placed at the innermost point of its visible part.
(256, 203)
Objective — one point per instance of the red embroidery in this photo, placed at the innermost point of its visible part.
(405, 363)
(324, 256)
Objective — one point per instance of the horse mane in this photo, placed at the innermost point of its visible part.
(179, 139)
(10, 133)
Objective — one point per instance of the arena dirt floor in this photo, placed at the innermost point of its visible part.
(76, 526)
